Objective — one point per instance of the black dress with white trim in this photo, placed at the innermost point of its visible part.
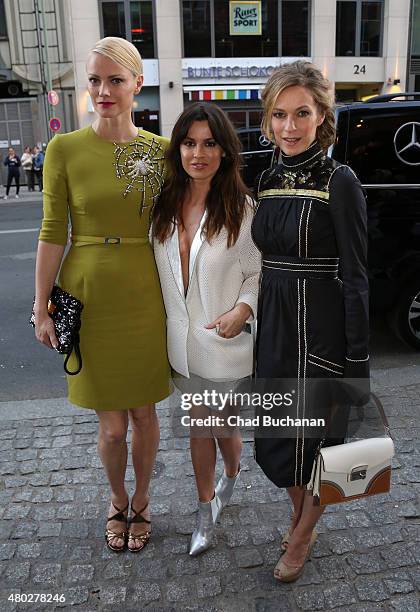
(313, 312)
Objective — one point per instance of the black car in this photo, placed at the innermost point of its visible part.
(257, 153)
(380, 140)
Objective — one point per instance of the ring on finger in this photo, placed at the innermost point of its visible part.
(218, 329)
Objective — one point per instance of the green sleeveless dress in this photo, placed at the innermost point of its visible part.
(105, 190)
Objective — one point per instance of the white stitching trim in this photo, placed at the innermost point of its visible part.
(258, 190)
(294, 269)
(322, 258)
(335, 170)
(304, 379)
(301, 163)
(325, 367)
(300, 224)
(337, 365)
(331, 175)
(357, 360)
(298, 378)
(297, 196)
(307, 228)
(291, 263)
(259, 182)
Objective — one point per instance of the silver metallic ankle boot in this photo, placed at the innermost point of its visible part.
(207, 516)
(224, 489)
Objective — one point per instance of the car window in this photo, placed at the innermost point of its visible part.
(244, 138)
(384, 144)
(253, 140)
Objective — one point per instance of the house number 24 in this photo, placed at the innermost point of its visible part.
(359, 69)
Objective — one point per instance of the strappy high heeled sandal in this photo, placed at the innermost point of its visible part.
(285, 540)
(136, 517)
(111, 535)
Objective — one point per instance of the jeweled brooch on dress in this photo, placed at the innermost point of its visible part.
(141, 165)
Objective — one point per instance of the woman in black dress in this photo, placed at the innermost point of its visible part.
(313, 307)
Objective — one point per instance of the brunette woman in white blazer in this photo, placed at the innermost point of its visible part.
(209, 272)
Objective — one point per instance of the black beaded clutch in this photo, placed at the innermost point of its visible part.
(65, 311)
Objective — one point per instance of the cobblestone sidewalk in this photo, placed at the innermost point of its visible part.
(53, 503)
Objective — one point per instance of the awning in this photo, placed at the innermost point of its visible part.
(222, 93)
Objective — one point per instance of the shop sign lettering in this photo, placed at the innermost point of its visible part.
(221, 72)
(245, 18)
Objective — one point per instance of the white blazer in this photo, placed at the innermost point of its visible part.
(218, 279)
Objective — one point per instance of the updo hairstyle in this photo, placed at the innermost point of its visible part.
(120, 51)
(309, 76)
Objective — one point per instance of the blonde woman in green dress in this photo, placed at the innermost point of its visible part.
(105, 178)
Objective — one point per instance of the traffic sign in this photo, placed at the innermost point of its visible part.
(55, 124)
(53, 98)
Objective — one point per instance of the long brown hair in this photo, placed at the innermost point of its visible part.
(225, 201)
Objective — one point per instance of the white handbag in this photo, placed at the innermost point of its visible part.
(354, 470)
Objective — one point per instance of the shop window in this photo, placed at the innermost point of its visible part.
(284, 30)
(141, 14)
(3, 25)
(132, 20)
(196, 28)
(346, 29)
(294, 28)
(359, 28)
(113, 19)
(370, 34)
(415, 30)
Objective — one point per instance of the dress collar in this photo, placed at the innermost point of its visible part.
(301, 159)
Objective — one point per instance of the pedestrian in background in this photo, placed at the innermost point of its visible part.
(12, 161)
(27, 165)
(38, 166)
(209, 269)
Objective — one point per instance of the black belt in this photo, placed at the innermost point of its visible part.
(302, 267)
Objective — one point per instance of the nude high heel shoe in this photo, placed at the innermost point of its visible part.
(289, 573)
(207, 517)
(285, 540)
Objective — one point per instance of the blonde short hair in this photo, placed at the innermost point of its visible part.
(309, 76)
(120, 51)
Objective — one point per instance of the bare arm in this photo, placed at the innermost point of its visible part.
(48, 262)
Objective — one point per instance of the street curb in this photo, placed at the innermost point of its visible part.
(17, 410)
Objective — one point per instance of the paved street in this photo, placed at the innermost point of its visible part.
(54, 497)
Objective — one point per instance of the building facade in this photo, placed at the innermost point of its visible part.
(194, 49)
(216, 50)
(35, 56)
